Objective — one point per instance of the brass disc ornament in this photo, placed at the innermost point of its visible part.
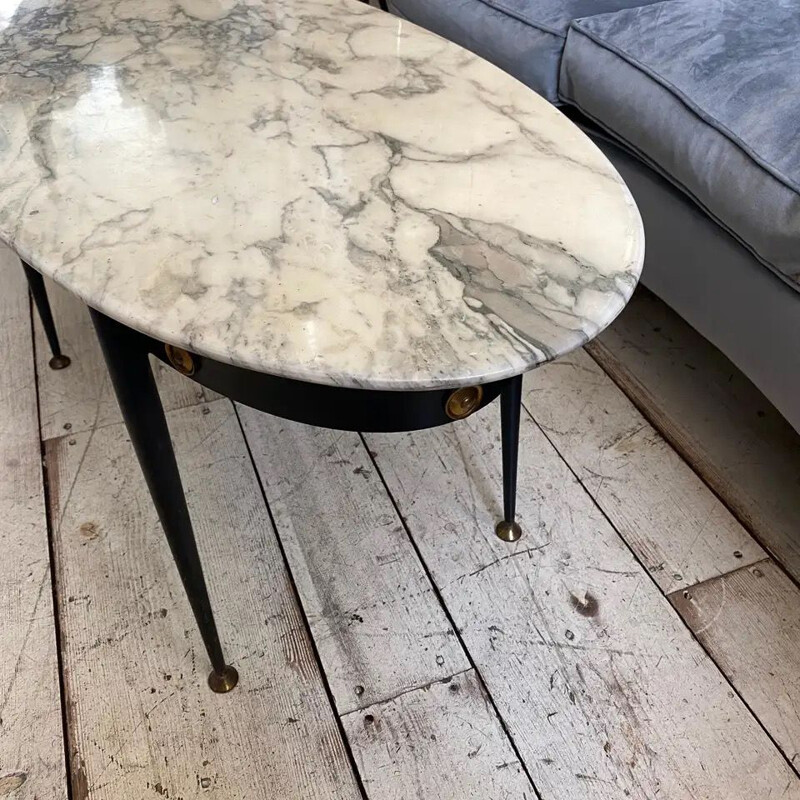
(462, 402)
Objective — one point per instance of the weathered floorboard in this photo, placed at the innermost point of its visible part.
(143, 722)
(31, 735)
(713, 416)
(675, 524)
(81, 397)
(440, 742)
(749, 621)
(603, 689)
(378, 626)
(385, 643)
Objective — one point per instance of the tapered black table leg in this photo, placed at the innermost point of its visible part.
(129, 366)
(510, 407)
(36, 284)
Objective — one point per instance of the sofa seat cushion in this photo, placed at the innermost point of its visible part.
(523, 37)
(707, 92)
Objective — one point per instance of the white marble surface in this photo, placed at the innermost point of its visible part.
(310, 188)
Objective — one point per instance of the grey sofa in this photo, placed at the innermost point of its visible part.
(697, 103)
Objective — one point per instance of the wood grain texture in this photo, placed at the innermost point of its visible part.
(143, 722)
(441, 742)
(602, 687)
(379, 627)
(81, 397)
(31, 735)
(675, 524)
(749, 621)
(713, 416)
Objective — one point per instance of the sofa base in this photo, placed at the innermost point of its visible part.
(714, 283)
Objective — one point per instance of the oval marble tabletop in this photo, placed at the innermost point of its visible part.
(309, 188)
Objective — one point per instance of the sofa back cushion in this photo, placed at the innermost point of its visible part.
(555, 16)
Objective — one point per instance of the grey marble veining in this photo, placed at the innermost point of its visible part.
(310, 188)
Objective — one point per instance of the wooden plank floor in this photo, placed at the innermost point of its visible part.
(31, 743)
(602, 688)
(636, 643)
(713, 415)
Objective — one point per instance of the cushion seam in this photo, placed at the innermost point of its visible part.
(651, 164)
(694, 108)
(538, 25)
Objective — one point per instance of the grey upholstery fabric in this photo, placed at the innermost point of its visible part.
(523, 37)
(708, 92)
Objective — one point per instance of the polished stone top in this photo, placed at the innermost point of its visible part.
(310, 188)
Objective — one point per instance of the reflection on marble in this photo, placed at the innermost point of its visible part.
(310, 188)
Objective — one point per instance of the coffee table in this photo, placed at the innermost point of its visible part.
(309, 206)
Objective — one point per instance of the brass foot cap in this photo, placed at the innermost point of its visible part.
(221, 682)
(60, 362)
(508, 531)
